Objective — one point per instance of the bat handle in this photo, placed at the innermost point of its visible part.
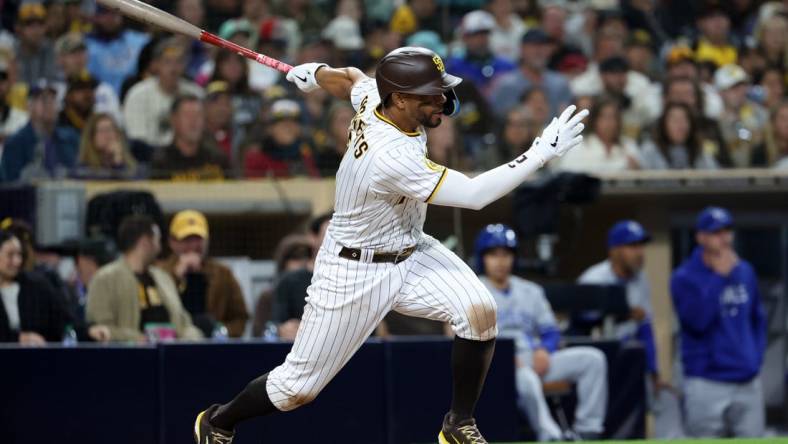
(215, 40)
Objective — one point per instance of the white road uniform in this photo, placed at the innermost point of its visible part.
(525, 316)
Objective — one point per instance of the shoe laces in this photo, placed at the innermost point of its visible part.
(220, 438)
(472, 434)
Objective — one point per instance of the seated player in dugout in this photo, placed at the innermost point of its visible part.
(524, 314)
(375, 256)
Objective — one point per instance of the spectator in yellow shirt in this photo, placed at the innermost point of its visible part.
(713, 44)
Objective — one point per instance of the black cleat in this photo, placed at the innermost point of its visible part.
(205, 433)
(460, 432)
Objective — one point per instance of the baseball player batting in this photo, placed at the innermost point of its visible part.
(375, 257)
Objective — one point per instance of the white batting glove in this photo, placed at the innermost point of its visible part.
(561, 135)
(304, 76)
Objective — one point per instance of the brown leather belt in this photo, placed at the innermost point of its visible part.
(354, 254)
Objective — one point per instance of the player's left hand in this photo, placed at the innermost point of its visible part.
(304, 76)
(561, 135)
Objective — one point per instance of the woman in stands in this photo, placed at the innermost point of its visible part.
(103, 153)
(676, 143)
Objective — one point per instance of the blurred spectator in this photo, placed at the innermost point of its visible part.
(314, 104)
(304, 19)
(32, 312)
(12, 119)
(743, 15)
(743, 121)
(295, 259)
(90, 255)
(723, 333)
(604, 149)
(689, 92)
(77, 108)
(774, 151)
(676, 143)
(273, 40)
(639, 52)
(624, 266)
(427, 39)
(680, 64)
(238, 31)
(518, 133)
(148, 105)
(234, 70)
(508, 30)
(772, 84)
(713, 44)
(607, 42)
(524, 314)
(283, 151)
(131, 294)
(553, 22)
(416, 15)
(284, 304)
(752, 61)
(72, 60)
(37, 150)
(332, 144)
(113, 50)
(24, 233)
(537, 106)
(41, 259)
(191, 156)
(145, 67)
(208, 289)
(34, 51)
(219, 117)
(772, 38)
(534, 53)
(343, 31)
(103, 152)
(634, 92)
(478, 64)
(196, 52)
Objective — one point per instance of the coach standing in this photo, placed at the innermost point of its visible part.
(723, 333)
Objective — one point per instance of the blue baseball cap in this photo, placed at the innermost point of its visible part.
(627, 232)
(713, 219)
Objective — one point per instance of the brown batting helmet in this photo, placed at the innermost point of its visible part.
(416, 71)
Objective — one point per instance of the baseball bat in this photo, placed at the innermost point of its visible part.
(151, 15)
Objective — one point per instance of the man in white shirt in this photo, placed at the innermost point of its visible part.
(148, 103)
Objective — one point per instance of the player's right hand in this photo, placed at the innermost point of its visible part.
(304, 76)
(562, 134)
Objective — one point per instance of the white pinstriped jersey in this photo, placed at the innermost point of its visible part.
(384, 181)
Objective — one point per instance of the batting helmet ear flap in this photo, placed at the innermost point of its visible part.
(452, 106)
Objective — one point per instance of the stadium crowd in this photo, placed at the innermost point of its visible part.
(85, 93)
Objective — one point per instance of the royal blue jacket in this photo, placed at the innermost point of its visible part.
(723, 325)
(480, 72)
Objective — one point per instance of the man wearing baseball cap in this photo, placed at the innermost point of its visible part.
(35, 53)
(742, 121)
(38, 150)
(723, 333)
(534, 55)
(624, 266)
(626, 242)
(479, 64)
(72, 59)
(208, 289)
